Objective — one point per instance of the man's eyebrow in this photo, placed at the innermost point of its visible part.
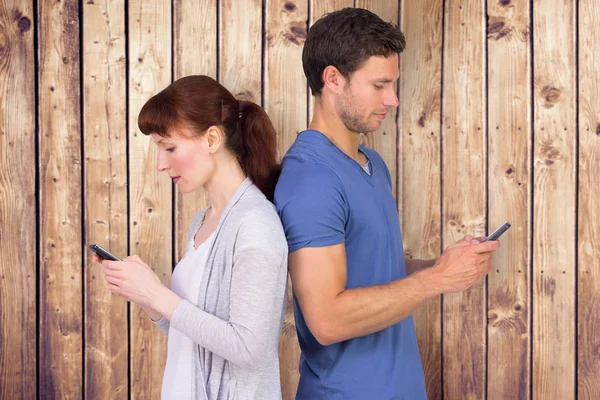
(383, 80)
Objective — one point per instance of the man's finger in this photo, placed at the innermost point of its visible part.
(486, 257)
(486, 247)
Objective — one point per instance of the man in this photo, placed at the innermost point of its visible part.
(354, 292)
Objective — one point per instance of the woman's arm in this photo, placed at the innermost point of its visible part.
(257, 292)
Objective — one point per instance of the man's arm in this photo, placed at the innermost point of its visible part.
(334, 313)
(416, 265)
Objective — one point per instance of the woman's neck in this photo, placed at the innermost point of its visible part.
(221, 187)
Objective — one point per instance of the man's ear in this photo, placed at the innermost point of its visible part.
(214, 137)
(333, 79)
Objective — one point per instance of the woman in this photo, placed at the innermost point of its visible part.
(224, 311)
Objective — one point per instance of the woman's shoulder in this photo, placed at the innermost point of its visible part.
(254, 214)
(253, 205)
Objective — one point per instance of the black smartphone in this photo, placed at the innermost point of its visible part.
(497, 233)
(103, 253)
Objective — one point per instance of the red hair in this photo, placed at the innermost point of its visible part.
(200, 102)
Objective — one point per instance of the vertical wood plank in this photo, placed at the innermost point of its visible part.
(419, 202)
(285, 90)
(588, 371)
(105, 166)
(240, 44)
(318, 8)
(385, 139)
(60, 361)
(17, 202)
(463, 192)
(150, 191)
(195, 52)
(553, 369)
(509, 144)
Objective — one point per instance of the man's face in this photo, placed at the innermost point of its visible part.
(369, 94)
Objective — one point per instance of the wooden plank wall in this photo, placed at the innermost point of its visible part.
(498, 121)
(105, 195)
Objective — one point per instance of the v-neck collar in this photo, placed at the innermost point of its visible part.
(246, 183)
(351, 162)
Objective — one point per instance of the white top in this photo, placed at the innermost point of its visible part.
(185, 282)
(366, 167)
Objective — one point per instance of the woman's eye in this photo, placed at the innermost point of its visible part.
(170, 149)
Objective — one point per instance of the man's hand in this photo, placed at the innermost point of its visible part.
(462, 265)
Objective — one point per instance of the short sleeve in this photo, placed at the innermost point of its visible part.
(311, 204)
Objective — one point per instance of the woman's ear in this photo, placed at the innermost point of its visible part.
(214, 137)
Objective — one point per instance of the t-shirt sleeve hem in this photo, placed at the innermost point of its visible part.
(318, 242)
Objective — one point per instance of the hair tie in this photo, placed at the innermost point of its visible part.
(240, 108)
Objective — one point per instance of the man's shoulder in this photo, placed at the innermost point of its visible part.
(309, 147)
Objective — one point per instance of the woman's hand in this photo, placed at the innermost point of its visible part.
(134, 280)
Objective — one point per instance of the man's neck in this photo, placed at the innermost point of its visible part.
(328, 122)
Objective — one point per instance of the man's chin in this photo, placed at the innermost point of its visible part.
(374, 126)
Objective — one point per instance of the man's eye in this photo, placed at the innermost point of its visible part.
(378, 86)
(170, 149)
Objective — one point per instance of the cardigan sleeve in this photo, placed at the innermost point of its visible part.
(258, 282)
(163, 325)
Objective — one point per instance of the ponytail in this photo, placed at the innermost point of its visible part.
(256, 147)
(201, 102)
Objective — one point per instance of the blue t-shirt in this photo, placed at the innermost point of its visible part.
(323, 198)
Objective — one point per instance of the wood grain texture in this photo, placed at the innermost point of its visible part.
(419, 164)
(17, 202)
(542, 324)
(105, 199)
(385, 139)
(285, 102)
(195, 52)
(150, 191)
(60, 361)
(588, 306)
(509, 163)
(284, 82)
(553, 369)
(240, 45)
(463, 192)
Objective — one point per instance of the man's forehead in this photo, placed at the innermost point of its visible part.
(380, 68)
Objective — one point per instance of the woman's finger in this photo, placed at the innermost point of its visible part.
(112, 280)
(114, 288)
(114, 265)
(112, 272)
(134, 258)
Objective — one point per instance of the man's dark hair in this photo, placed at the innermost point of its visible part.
(345, 39)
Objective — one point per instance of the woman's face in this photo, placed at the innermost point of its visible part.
(188, 161)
